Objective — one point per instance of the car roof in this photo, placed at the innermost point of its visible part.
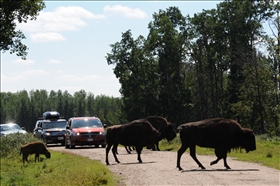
(86, 117)
(9, 124)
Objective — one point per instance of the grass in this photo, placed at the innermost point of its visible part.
(69, 169)
(61, 169)
(267, 152)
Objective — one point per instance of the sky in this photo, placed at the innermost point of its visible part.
(70, 39)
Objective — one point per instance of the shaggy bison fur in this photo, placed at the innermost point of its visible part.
(36, 148)
(165, 128)
(223, 135)
(137, 133)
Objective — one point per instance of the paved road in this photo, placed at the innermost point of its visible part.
(159, 168)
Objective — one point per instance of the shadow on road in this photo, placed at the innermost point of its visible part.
(216, 170)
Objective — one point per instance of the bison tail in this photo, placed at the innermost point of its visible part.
(179, 128)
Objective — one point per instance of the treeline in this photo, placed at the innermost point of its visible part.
(24, 108)
(218, 63)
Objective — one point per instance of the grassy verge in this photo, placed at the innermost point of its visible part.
(267, 152)
(61, 169)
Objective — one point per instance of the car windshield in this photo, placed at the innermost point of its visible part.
(86, 123)
(54, 124)
(10, 127)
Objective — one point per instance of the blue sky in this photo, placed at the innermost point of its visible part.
(69, 41)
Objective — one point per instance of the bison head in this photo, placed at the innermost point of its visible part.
(48, 154)
(249, 141)
(171, 133)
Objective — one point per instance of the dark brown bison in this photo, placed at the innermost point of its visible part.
(165, 128)
(221, 134)
(137, 133)
(34, 148)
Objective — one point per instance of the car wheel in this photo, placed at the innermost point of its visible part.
(65, 143)
(71, 145)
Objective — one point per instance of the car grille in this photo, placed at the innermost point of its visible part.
(89, 134)
(57, 133)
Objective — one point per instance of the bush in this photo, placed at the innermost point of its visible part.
(11, 144)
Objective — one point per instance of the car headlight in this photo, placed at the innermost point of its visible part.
(102, 133)
(76, 134)
(48, 133)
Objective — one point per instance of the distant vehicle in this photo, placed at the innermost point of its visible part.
(85, 131)
(10, 128)
(51, 128)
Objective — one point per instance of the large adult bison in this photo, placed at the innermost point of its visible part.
(165, 128)
(221, 134)
(137, 133)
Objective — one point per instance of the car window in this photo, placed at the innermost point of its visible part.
(54, 124)
(86, 123)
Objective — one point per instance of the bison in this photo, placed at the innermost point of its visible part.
(221, 134)
(34, 148)
(137, 133)
(164, 127)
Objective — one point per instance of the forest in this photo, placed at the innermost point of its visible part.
(217, 63)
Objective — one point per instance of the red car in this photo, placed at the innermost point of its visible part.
(82, 131)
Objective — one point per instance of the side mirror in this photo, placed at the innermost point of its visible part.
(67, 127)
(23, 128)
(104, 125)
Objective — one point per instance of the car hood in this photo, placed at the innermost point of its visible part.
(87, 129)
(12, 131)
(54, 129)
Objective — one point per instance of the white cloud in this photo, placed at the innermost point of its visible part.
(6, 79)
(53, 61)
(72, 78)
(35, 72)
(61, 19)
(23, 62)
(46, 37)
(125, 11)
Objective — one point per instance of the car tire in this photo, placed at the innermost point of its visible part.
(71, 145)
(66, 145)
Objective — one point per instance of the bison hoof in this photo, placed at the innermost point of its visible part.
(180, 168)
(202, 167)
(228, 167)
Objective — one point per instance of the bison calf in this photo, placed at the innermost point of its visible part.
(218, 133)
(137, 133)
(34, 148)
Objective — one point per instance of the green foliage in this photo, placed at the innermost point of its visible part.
(25, 108)
(54, 171)
(12, 12)
(205, 66)
(11, 144)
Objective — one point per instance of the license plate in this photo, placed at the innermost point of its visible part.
(60, 138)
(90, 139)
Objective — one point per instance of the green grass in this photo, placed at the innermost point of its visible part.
(267, 152)
(60, 169)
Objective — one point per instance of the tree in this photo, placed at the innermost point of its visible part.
(13, 11)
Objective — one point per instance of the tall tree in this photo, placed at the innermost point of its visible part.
(12, 12)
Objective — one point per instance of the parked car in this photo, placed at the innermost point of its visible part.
(10, 128)
(85, 131)
(51, 128)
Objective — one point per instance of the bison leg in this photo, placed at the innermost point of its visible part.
(220, 153)
(36, 157)
(179, 154)
(107, 152)
(24, 158)
(156, 144)
(193, 155)
(114, 149)
(139, 150)
(128, 149)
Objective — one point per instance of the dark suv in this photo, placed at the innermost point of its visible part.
(51, 128)
(85, 131)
